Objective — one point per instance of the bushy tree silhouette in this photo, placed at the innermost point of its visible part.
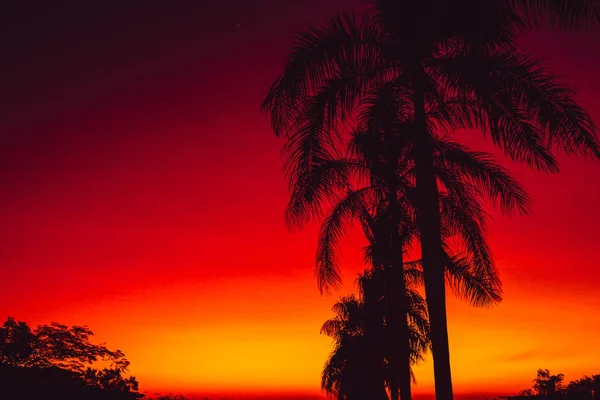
(586, 388)
(549, 386)
(546, 384)
(53, 345)
(57, 360)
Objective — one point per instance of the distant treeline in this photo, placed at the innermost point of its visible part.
(552, 387)
(57, 362)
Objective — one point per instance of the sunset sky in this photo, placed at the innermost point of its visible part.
(142, 195)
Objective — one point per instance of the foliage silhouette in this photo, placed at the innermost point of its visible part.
(53, 345)
(55, 361)
(546, 384)
(360, 182)
(475, 284)
(434, 56)
(586, 388)
(549, 386)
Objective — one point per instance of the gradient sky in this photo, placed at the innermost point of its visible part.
(142, 195)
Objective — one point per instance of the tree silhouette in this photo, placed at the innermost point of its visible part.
(56, 359)
(586, 388)
(362, 343)
(174, 397)
(53, 345)
(110, 379)
(549, 386)
(359, 367)
(546, 384)
(434, 56)
(477, 285)
(360, 182)
(17, 344)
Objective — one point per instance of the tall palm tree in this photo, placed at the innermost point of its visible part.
(384, 177)
(431, 51)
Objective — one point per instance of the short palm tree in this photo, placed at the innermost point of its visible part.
(358, 367)
(435, 56)
(480, 286)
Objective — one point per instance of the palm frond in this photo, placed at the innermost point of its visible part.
(323, 184)
(464, 217)
(480, 288)
(331, 233)
(481, 169)
(527, 108)
(344, 46)
(569, 14)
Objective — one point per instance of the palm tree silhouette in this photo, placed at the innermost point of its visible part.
(447, 70)
(391, 228)
(359, 365)
(480, 287)
(362, 343)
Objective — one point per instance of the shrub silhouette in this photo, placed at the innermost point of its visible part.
(549, 386)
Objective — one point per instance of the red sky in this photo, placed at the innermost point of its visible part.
(142, 196)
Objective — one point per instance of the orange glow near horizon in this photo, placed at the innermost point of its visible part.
(146, 201)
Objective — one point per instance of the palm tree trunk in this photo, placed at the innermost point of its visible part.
(393, 389)
(392, 315)
(374, 384)
(404, 338)
(429, 223)
(399, 322)
(397, 305)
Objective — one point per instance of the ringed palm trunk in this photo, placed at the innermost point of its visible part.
(429, 222)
